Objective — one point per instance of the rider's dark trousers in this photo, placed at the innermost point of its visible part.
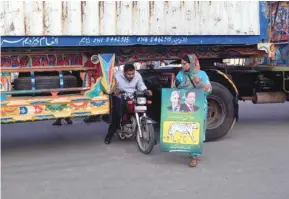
(118, 107)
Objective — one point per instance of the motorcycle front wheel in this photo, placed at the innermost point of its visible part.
(146, 143)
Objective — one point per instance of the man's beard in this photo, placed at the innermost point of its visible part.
(129, 78)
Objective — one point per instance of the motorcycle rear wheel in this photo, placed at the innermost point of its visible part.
(147, 142)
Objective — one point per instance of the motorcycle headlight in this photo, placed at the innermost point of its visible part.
(141, 100)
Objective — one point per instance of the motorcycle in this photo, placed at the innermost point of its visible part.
(135, 123)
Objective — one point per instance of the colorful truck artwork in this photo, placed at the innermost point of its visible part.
(44, 60)
(90, 100)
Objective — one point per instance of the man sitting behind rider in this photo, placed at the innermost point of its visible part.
(128, 81)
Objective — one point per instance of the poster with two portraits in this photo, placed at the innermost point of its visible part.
(182, 120)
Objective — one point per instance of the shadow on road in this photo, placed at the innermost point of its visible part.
(43, 134)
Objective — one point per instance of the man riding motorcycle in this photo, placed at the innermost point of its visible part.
(129, 81)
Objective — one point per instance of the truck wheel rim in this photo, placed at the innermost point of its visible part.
(216, 112)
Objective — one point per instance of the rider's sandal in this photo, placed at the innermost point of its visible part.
(193, 162)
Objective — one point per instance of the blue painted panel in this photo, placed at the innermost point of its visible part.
(48, 41)
(107, 57)
(264, 20)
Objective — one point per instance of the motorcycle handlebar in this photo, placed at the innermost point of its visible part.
(123, 93)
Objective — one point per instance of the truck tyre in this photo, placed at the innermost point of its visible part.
(221, 112)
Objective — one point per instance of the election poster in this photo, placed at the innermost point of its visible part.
(182, 120)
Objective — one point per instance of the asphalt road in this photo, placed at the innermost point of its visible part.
(40, 161)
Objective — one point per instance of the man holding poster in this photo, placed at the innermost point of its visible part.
(184, 131)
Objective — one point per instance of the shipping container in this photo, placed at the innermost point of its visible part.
(19, 18)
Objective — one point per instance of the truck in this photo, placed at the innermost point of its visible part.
(49, 67)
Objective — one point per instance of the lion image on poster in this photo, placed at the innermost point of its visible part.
(185, 129)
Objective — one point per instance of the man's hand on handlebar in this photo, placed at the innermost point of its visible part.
(149, 92)
(117, 92)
